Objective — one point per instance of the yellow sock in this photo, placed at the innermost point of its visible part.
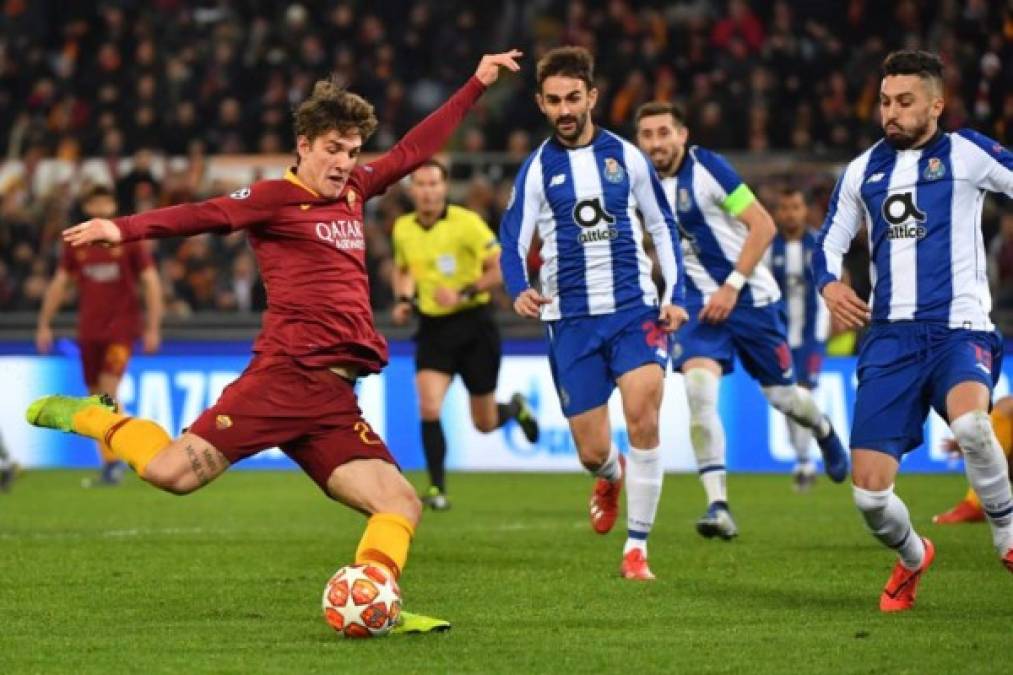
(136, 441)
(386, 542)
(106, 452)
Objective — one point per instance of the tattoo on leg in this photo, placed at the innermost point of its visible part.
(210, 461)
(196, 466)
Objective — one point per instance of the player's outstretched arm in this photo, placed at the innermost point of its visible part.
(490, 65)
(430, 135)
(241, 209)
(94, 231)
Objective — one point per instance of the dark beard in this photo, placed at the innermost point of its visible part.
(903, 141)
(578, 128)
(668, 168)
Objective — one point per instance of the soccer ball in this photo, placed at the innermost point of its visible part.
(362, 601)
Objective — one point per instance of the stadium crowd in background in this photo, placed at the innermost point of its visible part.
(127, 79)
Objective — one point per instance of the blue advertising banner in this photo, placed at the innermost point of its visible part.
(172, 388)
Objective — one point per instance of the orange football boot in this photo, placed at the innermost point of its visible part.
(899, 592)
(963, 512)
(635, 566)
(1007, 560)
(604, 505)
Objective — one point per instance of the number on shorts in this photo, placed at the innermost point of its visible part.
(364, 430)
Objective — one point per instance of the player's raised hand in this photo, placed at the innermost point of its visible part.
(720, 305)
(529, 303)
(488, 67)
(845, 306)
(94, 231)
(672, 317)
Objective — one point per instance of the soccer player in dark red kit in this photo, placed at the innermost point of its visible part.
(109, 314)
(318, 335)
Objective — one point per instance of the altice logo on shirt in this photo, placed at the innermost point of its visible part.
(904, 217)
(589, 214)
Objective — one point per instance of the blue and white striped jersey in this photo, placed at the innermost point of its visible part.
(923, 207)
(583, 203)
(707, 195)
(808, 319)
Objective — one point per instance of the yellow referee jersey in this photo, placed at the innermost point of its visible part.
(449, 253)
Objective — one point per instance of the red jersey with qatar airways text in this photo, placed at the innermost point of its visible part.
(312, 250)
(107, 279)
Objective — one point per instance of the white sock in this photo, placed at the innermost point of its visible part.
(801, 438)
(611, 470)
(985, 465)
(706, 433)
(890, 522)
(644, 475)
(798, 405)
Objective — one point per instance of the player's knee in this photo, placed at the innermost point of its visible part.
(701, 392)
(784, 398)
(973, 433)
(485, 424)
(170, 479)
(402, 501)
(869, 501)
(593, 457)
(642, 427)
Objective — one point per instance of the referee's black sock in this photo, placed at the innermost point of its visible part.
(435, 446)
(506, 411)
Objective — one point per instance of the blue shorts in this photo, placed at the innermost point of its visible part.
(906, 367)
(588, 354)
(808, 361)
(756, 334)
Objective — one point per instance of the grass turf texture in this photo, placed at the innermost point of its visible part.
(229, 580)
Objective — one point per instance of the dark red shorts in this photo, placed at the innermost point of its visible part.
(312, 414)
(103, 356)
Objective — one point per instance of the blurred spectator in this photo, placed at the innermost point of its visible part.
(128, 83)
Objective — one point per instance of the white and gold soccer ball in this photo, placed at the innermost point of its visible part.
(362, 601)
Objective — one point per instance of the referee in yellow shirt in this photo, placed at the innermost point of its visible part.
(446, 260)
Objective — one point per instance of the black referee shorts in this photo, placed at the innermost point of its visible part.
(466, 343)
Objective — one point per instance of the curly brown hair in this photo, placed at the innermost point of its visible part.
(330, 107)
(575, 62)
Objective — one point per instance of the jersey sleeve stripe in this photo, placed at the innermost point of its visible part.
(718, 167)
(518, 225)
(841, 224)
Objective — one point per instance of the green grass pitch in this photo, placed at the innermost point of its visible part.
(229, 580)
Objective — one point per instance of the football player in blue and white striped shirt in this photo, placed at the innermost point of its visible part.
(931, 342)
(733, 303)
(582, 191)
(808, 322)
